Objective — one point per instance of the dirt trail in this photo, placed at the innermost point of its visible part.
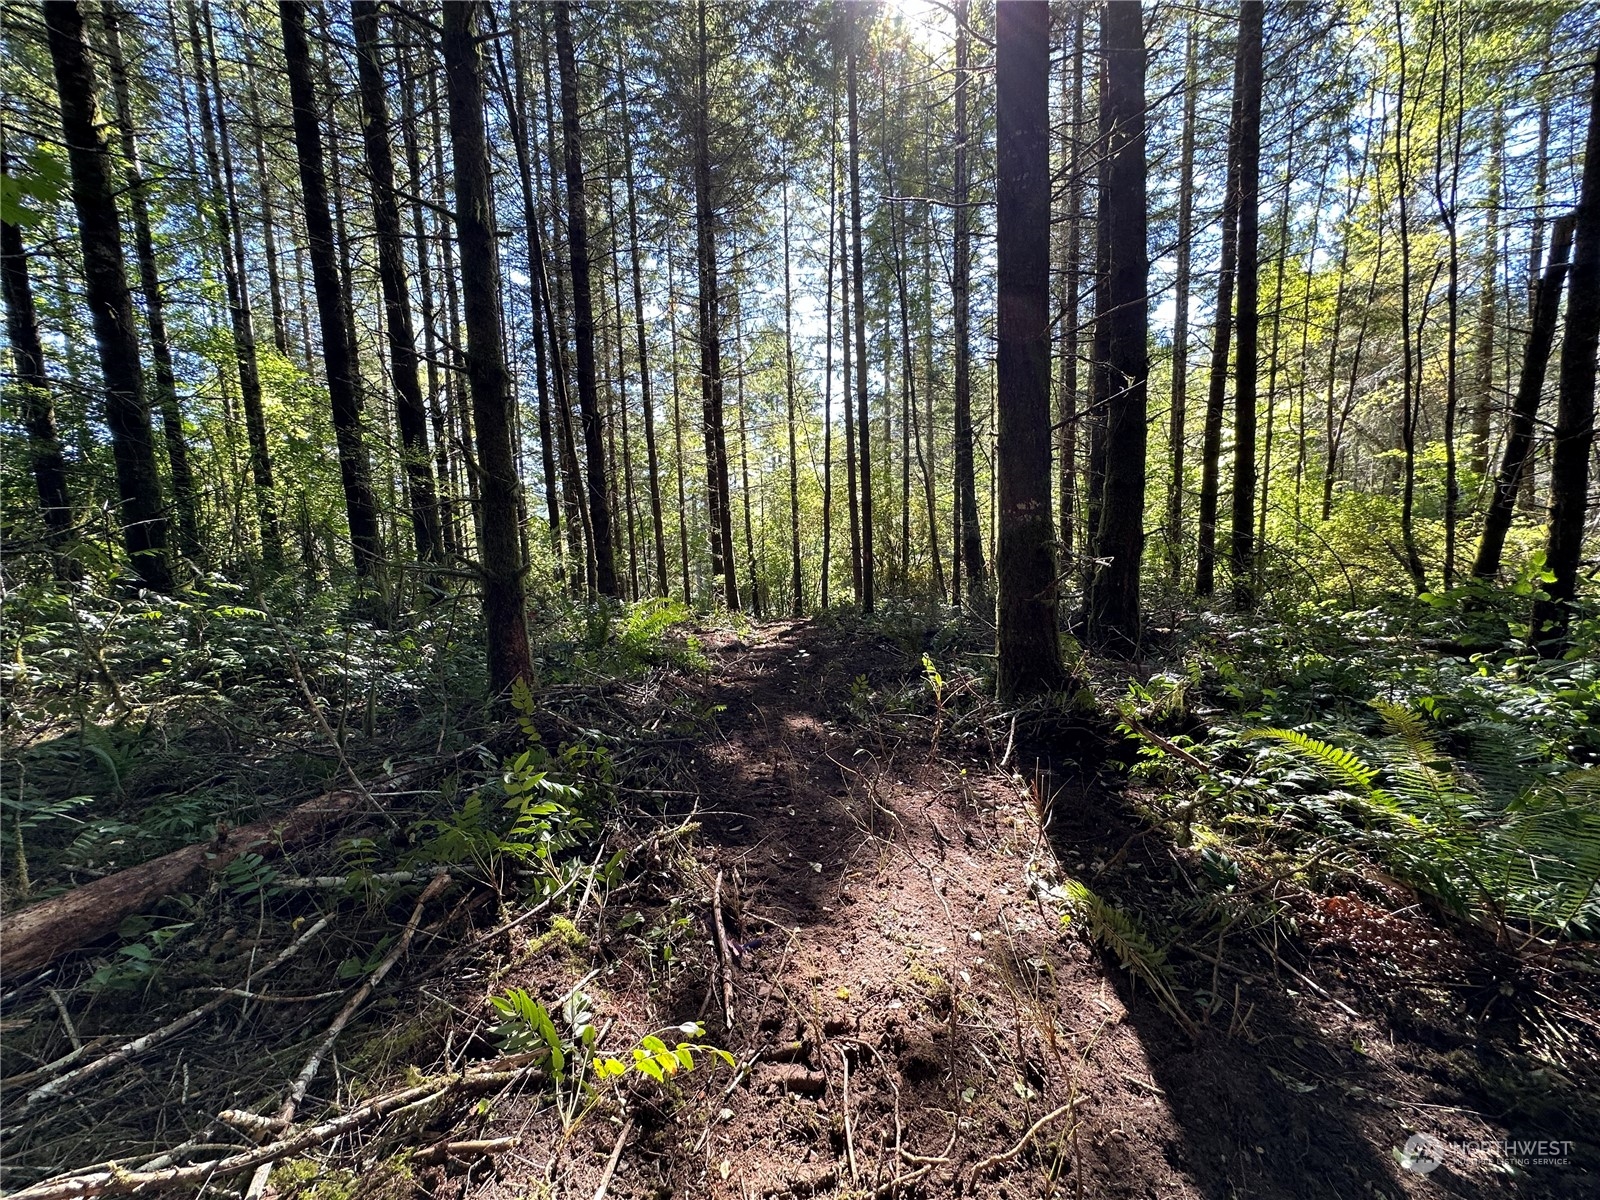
(922, 1024)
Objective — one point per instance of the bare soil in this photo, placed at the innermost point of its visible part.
(921, 1023)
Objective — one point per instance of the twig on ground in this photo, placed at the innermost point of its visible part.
(849, 1133)
(258, 1182)
(1005, 1156)
(616, 1157)
(114, 1181)
(60, 1085)
(723, 955)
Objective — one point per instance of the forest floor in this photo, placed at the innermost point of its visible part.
(907, 983)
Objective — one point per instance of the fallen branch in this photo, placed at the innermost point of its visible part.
(61, 1084)
(444, 1151)
(43, 932)
(308, 1072)
(611, 1163)
(723, 956)
(1005, 1156)
(114, 1181)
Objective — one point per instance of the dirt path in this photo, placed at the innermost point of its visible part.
(922, 1025)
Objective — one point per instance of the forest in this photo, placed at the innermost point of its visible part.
(763, 599)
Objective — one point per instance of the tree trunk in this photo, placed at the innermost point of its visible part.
(337, 354)
(1484, 350)
(1178, 418)
(1217, 384)
(1574, 433)
(718, 492)
(410, 413)
(1028, 644)
(846, 335)
(1515, 461)
(744, 450)
(185, 498)
(968, 532)
(430, 347)
(514, 89)
(269, 235)
(1122, 363)
(1411, 399)
(499, 553)
(863, 419)
(677, 429)
(583, 311)
(1242, 545)
(827, 369)
(646, 399)
(33, 398)
(110, 305)
(796, 595)
(230, 244)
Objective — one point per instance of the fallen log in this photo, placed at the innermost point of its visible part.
(41, 933)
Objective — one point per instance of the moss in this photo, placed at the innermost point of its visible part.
(401, 1043)
(303, 1179)
(562, 932)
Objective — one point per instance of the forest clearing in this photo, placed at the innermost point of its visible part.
(765, 600)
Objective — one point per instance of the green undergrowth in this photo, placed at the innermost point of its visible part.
(1419, 738)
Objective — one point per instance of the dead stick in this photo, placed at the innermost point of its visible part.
(994, 1160)
(616, 1157)
(258, 1181)
(722, 951)
(117, 1182)
(60, 1085)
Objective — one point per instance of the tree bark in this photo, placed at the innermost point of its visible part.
(1488, 296)
(1221, 345)
(1178, 418)
(110, 305)
(583, 311)
(968, 531)
(230, 243)
(863, 419)
(641, 342)
(337, 354)
(185, 498)
(1122, 363)
(796, 596)
(718, 491)
(500, 551)
(1028, 643)
(410, 412)
(1515, 460)
(1574, 433)
(33, 398)
(1242, 545)
(826, 566)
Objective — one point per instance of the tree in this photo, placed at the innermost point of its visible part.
(583, 311)
(1029, 646)
(1180, 322)
(33, 396)
(864, 596)
(144, 522)
(338, 356)
(229, 237)
(968, 531)
(710, 303)
(1121, 332)
(1515, 461)
(411, 415)
(1574, 432)
(1222, 335)
(500, 548)
(185, 500)
(797, 598)
(1242, 550)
